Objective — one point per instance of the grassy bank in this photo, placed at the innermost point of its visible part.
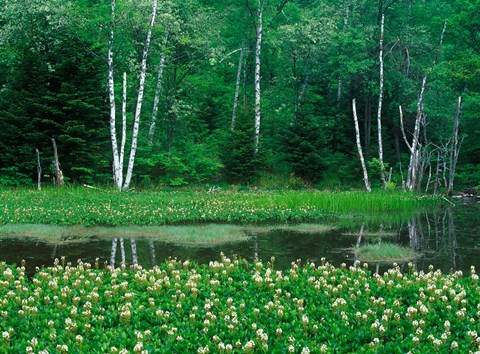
(235, 306)
(77, 206)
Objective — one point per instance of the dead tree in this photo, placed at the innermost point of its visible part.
(455, 150)
(56, 166)
(415, 146)
(39, 171)
(359, 147)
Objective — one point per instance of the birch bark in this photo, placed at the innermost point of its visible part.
(117, 173)
(124, 127)
(380, 102)
(158, 92)
(138, 110)
(359, 147)
(237, 84)
(258, 48)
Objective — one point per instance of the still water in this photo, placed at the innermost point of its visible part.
(448, 239)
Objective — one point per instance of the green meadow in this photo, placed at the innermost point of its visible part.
(81, 206)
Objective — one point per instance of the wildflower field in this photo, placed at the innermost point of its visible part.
(235, 306)
(77, 206)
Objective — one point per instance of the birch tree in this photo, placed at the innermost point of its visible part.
(118, 157)
(237, 84)
(414, 147)
(380, 101)
(455, 149)
(240, 68)
(138, 109)
(158, 91)
(359, 147)
(258, 49)
(117, 164)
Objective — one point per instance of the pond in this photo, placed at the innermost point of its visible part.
(448, 239)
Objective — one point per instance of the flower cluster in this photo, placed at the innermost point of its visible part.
(235, 306)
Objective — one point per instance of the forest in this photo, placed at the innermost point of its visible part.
(287, 93)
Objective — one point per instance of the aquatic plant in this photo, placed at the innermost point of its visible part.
(235, 306)
(384, 252)
(75, 206)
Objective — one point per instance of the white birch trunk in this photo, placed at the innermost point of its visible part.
(117, 173)
(414, 153)
(138, 110)
(380, 102)
(258, 47)
(158, 92)
(455, 147)
(237, 84)
(124, 127)
(359, 147)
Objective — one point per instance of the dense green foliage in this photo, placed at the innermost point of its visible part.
(75, 206)
(236, 306)
(316, 57)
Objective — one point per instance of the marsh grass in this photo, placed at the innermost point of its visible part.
(77, 206)
(384, 252)
(297, 228)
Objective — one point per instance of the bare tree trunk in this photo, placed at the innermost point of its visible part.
(437, 174)
(244, 79)
(300, 95)
(237, 84)
(39, 171)
(427, 187)
(359, 147)
(399, 156)
(117, 171)
(138, 110)
(454, 152)
(158, 92)
(258, 47)
(414, 153)
(380, 102)
(56, 165)
(124, 126)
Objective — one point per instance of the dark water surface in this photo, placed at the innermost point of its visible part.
(448, 239)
